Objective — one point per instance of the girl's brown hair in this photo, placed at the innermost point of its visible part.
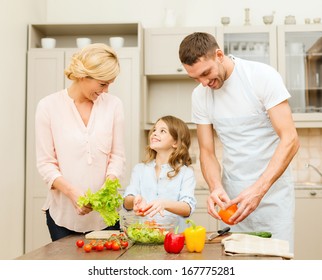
(181, 134)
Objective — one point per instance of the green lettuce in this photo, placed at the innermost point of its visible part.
(105, 201)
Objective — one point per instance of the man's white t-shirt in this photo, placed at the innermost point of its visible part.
(233, 98)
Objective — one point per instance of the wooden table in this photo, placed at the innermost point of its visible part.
(65, 249)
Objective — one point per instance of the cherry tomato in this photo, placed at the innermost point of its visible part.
(93, 244)
(87, 248)
(108, 244)
(80, 243)
(115, 246)
(100, 247)
(124, 243)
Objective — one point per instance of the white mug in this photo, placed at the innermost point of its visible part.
(48, 43)
(82, 42)
(116, 42)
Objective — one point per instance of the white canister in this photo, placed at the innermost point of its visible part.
(82, 42)
(116, 42)
(48, 43)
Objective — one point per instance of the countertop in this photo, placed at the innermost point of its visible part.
(65, 249)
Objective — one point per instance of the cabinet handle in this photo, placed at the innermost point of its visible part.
(179, 69)
(313, 193)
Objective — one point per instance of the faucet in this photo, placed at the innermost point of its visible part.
(307, 165)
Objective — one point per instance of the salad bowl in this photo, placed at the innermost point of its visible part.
(148, 230)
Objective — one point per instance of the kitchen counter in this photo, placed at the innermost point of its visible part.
(65, 249)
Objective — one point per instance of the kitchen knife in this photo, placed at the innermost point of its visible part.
(218, 233)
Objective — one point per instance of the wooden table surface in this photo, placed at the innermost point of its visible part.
(65, 249)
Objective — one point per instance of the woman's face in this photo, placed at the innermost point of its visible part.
(92, 89)
(161, 139)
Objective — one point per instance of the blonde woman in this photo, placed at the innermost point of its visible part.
(164, 182)
(79, 140)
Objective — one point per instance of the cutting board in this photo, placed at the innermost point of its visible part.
(101, 234)
(216, 239)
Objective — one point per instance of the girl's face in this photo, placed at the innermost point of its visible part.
(92, 89)
(161, 139)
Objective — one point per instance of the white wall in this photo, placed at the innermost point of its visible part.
(14, 17)
(190, 12)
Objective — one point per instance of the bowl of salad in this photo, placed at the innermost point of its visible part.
(148, 230)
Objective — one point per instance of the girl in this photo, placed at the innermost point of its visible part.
(164, 183)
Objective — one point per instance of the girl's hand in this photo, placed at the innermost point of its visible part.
(139, 204)
(154, 207)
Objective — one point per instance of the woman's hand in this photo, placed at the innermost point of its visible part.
(80, 210)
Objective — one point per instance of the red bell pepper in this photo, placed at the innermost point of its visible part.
(174, 242)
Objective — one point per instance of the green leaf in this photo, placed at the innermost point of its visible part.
(105, 201)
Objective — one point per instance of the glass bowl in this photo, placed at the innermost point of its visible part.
(148, 230)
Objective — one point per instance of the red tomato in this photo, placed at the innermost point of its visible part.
(93, 244)
(108, 245)
(79, 243)
(115, 246)
(100, 247)
(124, 243)
(87, 248)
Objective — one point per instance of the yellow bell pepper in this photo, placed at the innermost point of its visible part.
(195, 237)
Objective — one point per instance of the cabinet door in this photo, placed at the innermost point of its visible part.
(256, 43)
(45, 76)
(162, 47)
(308, 225)
(300, 64)
(201, 216)
(127, 87)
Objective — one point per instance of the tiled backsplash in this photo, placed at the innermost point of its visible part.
(309, 152)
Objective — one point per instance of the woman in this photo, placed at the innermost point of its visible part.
(79, 140)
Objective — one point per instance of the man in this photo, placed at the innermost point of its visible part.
(245, 102)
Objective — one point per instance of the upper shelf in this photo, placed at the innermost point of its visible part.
(66, 34)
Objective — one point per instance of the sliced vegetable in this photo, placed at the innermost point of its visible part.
(105, 201)
(146, 232)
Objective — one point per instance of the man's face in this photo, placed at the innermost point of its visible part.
(209, 71)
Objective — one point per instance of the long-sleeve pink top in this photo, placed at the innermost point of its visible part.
(83, 155)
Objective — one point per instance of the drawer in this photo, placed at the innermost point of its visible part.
(310, 193)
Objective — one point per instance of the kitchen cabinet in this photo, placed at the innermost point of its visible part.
(308, 225)
(201, 216)
(166, 81)
(256, 43)
(45, 73)
(300, 64)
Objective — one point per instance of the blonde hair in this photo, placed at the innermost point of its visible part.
(181, 134)
(97, 61)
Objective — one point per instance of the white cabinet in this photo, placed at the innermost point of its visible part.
(300, 64)
(46, 75)
(256, 43)
(166, 82)
(308, 224)
(201, 216)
